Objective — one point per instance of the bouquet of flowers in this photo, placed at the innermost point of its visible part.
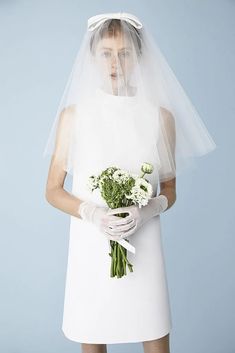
(119, 188)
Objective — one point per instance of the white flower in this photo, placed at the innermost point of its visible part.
(144, 185)
(141, 192)
(135, 176)
(102, 181)
(92, 182)
(121, 176)
(110, 170)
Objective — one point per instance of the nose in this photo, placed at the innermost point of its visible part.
(114, 61)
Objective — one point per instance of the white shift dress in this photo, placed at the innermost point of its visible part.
(98, 308)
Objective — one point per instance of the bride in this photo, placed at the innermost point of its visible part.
(122, 105)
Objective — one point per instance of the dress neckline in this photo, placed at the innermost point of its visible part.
(116, 98)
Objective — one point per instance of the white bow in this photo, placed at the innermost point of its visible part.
(95, 21)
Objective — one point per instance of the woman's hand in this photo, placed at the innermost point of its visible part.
(97, 215)
(123, 227)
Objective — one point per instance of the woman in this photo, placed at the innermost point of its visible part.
(122, 106)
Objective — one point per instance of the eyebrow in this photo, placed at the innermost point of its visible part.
(112, 49)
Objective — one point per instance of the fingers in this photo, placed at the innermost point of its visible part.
(117, 235)
(118, 230)
(118, 210)
(110, 237)
(116, 227)
(116, 221)
(127, 209)
(121, 226)
(130, 232)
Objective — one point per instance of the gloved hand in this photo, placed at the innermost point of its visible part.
(123, 227)
(97, 215)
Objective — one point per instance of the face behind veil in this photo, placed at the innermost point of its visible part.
(119, 56)
(115, 52)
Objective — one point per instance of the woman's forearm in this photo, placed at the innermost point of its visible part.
(64, 201)
(68, 203)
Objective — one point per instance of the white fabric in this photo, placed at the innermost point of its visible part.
(98, 308)
(97, 20)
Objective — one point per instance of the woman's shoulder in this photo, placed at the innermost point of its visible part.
(69, 110)
(68, 113)
(167, 121)
(166, 113)
(166, 116)
(67, 118)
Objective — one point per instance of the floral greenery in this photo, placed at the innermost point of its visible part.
(119, 188)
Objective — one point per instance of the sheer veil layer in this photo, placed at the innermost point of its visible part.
(119, 56)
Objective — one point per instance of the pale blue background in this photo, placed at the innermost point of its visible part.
(39, 41)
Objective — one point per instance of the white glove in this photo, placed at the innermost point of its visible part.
(123, 227)
(97, 215)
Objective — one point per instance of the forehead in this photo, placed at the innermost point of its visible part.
(114, 42)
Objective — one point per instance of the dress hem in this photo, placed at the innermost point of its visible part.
(144, 339)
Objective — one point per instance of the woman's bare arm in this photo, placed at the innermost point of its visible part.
(168, 188)
(55, 193)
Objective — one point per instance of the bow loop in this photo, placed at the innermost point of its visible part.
(95, 21)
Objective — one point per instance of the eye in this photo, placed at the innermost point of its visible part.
(106, 54)
(125, 54)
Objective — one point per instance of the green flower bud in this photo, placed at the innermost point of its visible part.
(147, 168)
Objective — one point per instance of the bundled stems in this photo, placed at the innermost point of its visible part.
(119, 260)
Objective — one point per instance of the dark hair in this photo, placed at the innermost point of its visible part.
(114, 28)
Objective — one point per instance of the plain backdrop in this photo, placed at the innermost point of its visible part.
(39, 41)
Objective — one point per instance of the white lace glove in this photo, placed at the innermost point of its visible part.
(123, 227)
(97, 215)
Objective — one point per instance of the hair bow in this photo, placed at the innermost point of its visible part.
(95, 21)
